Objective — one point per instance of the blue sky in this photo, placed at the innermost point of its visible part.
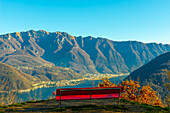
(118, 20)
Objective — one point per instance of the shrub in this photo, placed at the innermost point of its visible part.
(132, 93)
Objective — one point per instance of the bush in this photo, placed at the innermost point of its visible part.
(132, 93)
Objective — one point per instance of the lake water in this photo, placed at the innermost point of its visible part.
(47, 92)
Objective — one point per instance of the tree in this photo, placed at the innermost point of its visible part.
(132, 93)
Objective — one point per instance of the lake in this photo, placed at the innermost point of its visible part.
(46, 92)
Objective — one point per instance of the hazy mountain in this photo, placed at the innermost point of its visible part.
(82, 54)
(12, 79)
(154, 73)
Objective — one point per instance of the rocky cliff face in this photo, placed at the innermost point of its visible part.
(82, 54)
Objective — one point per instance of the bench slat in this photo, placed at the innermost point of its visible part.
(87, 97)
(86, 91)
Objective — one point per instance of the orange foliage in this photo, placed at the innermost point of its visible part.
(106, 83)
(145, 95)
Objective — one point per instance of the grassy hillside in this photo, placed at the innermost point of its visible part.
(154, 73)
(12, 79)
(53, 73)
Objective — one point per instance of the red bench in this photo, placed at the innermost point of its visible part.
(63, 94)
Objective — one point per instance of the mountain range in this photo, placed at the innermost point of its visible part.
(81, 54)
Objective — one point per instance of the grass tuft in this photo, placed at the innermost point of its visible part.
(4, 106)
(59, 109)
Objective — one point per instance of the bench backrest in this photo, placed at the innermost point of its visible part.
(89, 91)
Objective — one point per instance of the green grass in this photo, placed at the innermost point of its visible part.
(36, 101)
(8, 110)
(17, 104)
(92, 107)
(149, 108)
(115, 108)
(157, 109)
(22, 103)
(4, 106)
(59, 109)
(33, 101)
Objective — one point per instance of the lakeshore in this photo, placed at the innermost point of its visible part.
(44, 93)
(72, 82)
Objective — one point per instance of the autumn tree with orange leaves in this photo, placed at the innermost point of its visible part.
(132, 93)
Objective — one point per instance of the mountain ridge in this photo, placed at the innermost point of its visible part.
(82, 54)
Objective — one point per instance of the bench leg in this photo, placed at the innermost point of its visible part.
(119, 101)
(60, 104)
(115, 101)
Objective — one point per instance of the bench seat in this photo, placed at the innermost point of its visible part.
(87, 97)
